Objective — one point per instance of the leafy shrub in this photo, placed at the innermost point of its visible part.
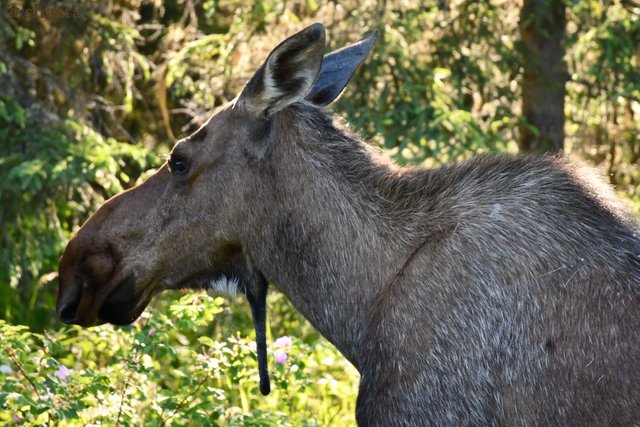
(169, 368)
(55, 168)
(50, 180)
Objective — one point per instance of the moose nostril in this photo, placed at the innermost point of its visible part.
(68, 312)
(89, 273)
(68, 304)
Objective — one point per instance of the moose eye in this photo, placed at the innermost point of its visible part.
(177, 164)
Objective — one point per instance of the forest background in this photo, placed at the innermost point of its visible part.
(93, 95)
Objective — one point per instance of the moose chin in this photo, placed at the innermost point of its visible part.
(496, 291)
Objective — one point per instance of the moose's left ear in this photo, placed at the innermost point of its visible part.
(287, 75)
(338, 68)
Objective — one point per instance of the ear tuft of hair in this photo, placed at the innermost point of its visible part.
(287, 75)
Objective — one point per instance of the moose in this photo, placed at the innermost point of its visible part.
(501, 290)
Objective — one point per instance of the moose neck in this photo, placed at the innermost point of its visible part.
(330, 243)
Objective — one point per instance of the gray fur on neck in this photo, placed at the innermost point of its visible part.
(463, 289)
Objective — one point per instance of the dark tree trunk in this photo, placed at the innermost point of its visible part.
(542, 29)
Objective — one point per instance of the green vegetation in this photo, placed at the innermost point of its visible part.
(167, 370)
(91, 97)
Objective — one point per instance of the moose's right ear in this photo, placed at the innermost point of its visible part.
(338, 68)
(287, 75)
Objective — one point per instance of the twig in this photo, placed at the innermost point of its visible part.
(124, 390)
(24, 374)
(126, 384)
(184, 399)
(590, 85)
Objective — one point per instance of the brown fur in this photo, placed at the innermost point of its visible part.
(496, 291)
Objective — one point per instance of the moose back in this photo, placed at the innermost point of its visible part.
(499, 291)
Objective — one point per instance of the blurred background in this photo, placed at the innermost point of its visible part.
(94, 93)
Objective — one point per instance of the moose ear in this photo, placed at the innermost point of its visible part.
(287, 75)
(338, 68)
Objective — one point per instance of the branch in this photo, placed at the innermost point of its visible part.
(184, 400)
(24, 374)
(590, 85)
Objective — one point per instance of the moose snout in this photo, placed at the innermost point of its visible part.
(79, 285)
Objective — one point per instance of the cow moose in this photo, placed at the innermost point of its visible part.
(496, 291)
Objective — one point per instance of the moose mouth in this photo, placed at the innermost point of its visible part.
(123, 306)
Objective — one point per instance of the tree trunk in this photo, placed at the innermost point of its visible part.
(542, 30)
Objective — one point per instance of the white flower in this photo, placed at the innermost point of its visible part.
(283, 342)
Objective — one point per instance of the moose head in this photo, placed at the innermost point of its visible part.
(190, 225)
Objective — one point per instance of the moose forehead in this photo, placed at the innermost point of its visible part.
(201, 134)
(201, 141)
(228, 126)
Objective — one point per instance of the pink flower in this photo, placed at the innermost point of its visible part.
(283, 342)
(281, 356)
(16, 419)
(63, 372)
(152, 332)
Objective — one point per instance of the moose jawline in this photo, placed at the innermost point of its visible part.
(123, 307)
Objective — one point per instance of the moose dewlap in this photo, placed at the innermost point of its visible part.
(497, 291)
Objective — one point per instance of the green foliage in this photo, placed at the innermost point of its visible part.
(50, 180)
(19, 36)
(441, 94)
(168, 369)
(87, 93)
(55, 170)
(604, 112)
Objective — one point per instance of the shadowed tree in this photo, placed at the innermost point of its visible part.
(542, 30)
